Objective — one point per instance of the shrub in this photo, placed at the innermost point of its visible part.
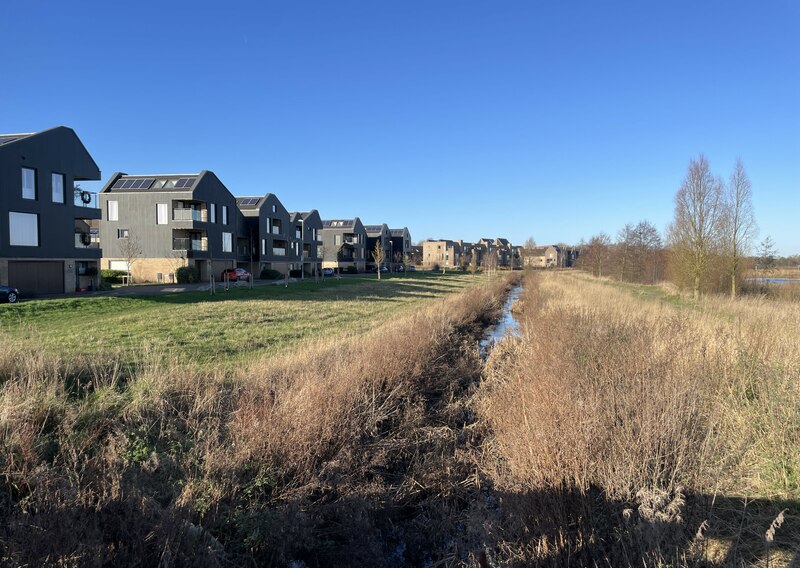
(187, 275)
(113, 276)
(269, 274)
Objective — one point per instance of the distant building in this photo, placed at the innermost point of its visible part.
(400, 244)
(543, 257)
(441, 254)
(378, 234)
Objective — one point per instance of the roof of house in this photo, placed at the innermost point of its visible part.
(503, 242)
(338, 223)
(374, 229)
(154, 182)
(91, 172)
(250, 202)
(541, 249)
(9, 138)
(398, 232)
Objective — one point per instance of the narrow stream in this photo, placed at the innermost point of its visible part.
(506, 325)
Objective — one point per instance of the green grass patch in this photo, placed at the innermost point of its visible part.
(233, 325)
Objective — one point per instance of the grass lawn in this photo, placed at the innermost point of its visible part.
(195, 326)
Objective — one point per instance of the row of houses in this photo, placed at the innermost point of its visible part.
(59, 236)
(487, 253)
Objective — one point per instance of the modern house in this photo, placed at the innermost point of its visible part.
(543, 257)
(441, 254)
(268, 226)
(48, 225)
(400, 245)
(306, 227)
(378, 234)
(344, 244)
(155, 224)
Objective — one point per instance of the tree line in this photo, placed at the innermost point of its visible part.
(707, 246)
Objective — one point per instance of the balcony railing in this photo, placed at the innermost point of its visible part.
(182, 214)
(85, 199)
(276, 230)
(84, 241)
(278, 251)
(189, 244)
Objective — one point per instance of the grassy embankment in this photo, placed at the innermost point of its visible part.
(630, 426)
(234, 325)
(351, 450)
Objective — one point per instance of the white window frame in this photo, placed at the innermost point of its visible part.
(112, 210)
(29, 183)
(23, 225)
(212, 212)
(123, 233)
(162, 213)
(224, 214)
(62, 179)
(227, 241)
(263, 246)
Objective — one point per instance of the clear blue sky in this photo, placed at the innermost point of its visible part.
(460, 119)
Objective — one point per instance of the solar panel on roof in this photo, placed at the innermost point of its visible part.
(118, 184)
(180, 183)
(146, 183)
(137, 184)
(128, 183)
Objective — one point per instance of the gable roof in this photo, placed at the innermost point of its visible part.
(375, 229)
(124, 183)
(338, 223)
(399, 232)
(250, 202)
(85, 166)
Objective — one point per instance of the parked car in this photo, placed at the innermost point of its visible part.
(384, 270)
(411, 269)
(9, 294)
(327, 271)
(235, 274)
(400, 268)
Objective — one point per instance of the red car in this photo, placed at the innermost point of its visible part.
(235, 274)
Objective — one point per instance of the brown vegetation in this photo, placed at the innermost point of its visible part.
(627, 432)
(350, 452)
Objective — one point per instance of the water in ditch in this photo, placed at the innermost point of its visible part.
(506, 325)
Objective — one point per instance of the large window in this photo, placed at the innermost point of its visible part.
(227, 241)
(23, 229)
(58, 188)
(28, 183)
(113, 210)
(162, 213)
(224, 214)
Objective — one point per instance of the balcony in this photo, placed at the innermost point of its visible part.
(85, 199)
(279, 251)
(86, 241)
(188, 244)
(186, 214)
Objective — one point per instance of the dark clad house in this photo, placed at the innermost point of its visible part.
(48, 226)
(268, 224)
(306, 228)
(378, 234)
(344, 244)
(173, 220)
(400, 244)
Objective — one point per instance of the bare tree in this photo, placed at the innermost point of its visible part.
(131, 252)
(740, 223)
(378, 255)
(491, 262)
(695, 232)
(596, 253)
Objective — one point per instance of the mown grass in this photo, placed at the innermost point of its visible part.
(235, 325)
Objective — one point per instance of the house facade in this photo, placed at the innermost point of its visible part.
(400, 245)
(48, 225)
(378, 234)
(543, 257)
(441, 254)
(306, 227)
(269, 226)
(158, 223)
(344, 244)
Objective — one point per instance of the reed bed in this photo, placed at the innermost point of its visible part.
(630, 431)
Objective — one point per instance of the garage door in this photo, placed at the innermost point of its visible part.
(36, 277)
